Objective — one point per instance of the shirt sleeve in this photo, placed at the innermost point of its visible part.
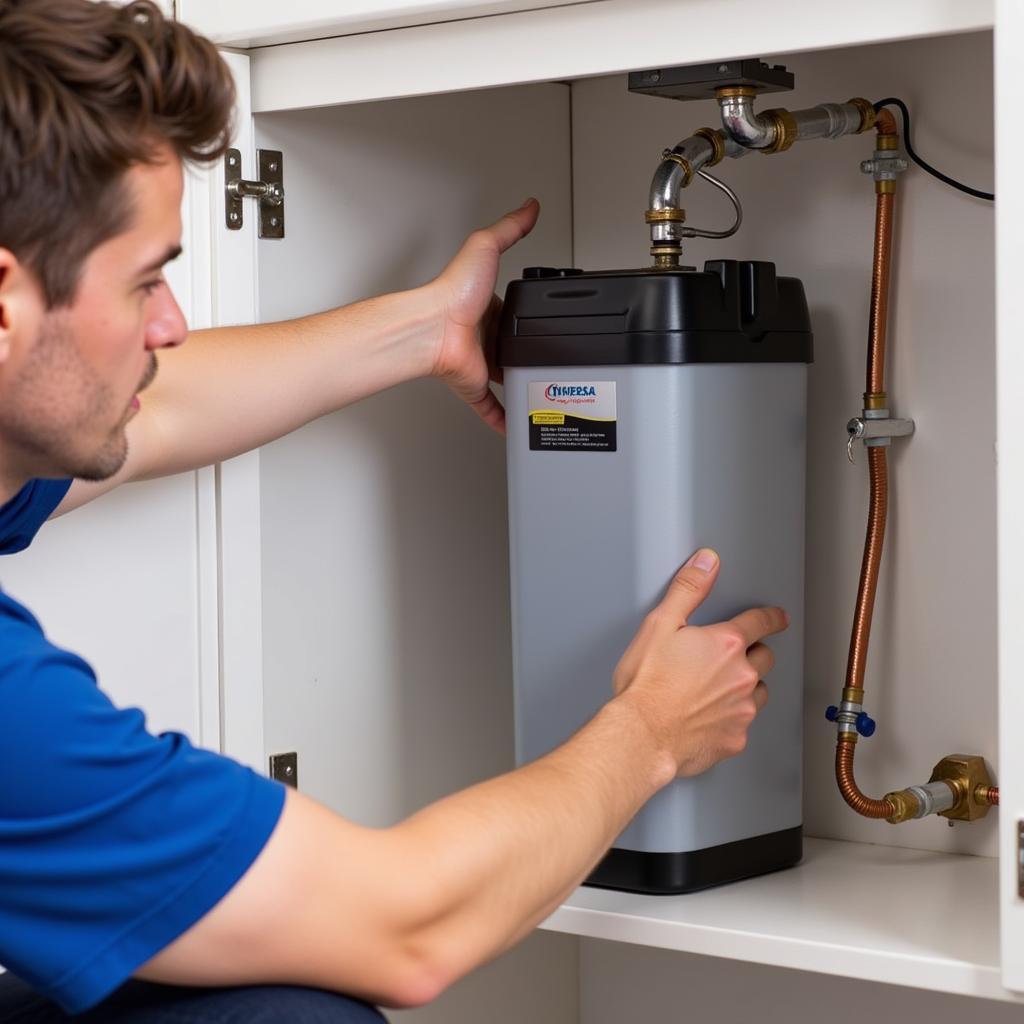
(113, 842)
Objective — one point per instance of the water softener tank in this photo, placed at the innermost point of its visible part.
(651, 413)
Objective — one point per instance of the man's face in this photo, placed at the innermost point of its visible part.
(69, 382)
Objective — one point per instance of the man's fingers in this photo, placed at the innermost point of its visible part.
(515, 224)
(757, 623)
(760, 695)
(690, 586)
(491, 411)
(762, 658)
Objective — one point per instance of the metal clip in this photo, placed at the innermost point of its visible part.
(884, 165)
(875, 432)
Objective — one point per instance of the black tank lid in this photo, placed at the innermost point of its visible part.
(731, 312)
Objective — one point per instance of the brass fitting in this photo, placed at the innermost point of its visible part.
(967, 776)
(885, 188)
(876, 400)
(684, 163)
(665, 216)
(853, 694)
(724, 91)
(887, 142)
(868, 114)
(714, 136)
(666, 257)
(785, 129)
(986, 795)
(905, 806)
(960, 778)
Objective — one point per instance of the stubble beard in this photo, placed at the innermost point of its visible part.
(57, 403)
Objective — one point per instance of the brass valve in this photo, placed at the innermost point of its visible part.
(967, 776)
(959, 789)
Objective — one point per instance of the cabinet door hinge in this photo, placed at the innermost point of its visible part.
(268, 189)
(285, 768)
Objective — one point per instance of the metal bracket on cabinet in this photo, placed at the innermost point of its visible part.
(268, 189)
(1020, 860)
(285, 768)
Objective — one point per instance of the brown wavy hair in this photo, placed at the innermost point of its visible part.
(86, 91)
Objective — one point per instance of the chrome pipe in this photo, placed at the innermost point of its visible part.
(933, 798)
(827, 121)
(743, 125)
(671, 176)
(677, 169)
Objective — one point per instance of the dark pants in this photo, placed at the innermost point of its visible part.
(139, 1002)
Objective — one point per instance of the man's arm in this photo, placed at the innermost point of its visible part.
(395, 915)
(229, 390)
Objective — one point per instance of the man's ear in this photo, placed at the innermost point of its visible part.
(21, 305)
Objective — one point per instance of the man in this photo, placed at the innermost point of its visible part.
(124, 855)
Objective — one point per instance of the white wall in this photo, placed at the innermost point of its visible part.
(931, 680)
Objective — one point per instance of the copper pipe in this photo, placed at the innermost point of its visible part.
(885, 202)
(988, 795)
(848, 787)
(878, 507)
(885, 123)
(879, 486)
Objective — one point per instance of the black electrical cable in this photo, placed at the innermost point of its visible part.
(924, 165)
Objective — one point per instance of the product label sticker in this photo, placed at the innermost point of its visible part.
(572, 415)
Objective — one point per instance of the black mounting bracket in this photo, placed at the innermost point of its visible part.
(699, 81)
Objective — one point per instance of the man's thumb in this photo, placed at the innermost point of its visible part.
(691, 585)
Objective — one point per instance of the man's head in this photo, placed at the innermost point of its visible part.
(99, 105)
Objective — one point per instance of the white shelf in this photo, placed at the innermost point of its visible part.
(879, 913)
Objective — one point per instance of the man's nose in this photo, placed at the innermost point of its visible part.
(165, 324)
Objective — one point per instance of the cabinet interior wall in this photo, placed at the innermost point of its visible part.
(384, 529)
(384, 546)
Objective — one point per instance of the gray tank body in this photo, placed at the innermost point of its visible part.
(706, 454)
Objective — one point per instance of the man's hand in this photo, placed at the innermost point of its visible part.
(465, 357)
(698, 688)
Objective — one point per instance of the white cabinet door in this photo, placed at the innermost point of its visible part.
(1010, 487)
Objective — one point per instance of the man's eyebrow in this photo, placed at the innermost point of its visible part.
(171, 254)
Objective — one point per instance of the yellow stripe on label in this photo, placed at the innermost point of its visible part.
(559, 417)
(547, 418)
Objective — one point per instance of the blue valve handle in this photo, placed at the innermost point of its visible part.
(865, 724)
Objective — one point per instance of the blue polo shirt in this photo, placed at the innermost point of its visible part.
(112, 841)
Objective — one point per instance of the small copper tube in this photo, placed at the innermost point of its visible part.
(878, 504)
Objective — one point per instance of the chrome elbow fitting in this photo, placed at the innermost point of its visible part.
(741, 123)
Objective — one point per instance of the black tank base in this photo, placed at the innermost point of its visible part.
(674, 873)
